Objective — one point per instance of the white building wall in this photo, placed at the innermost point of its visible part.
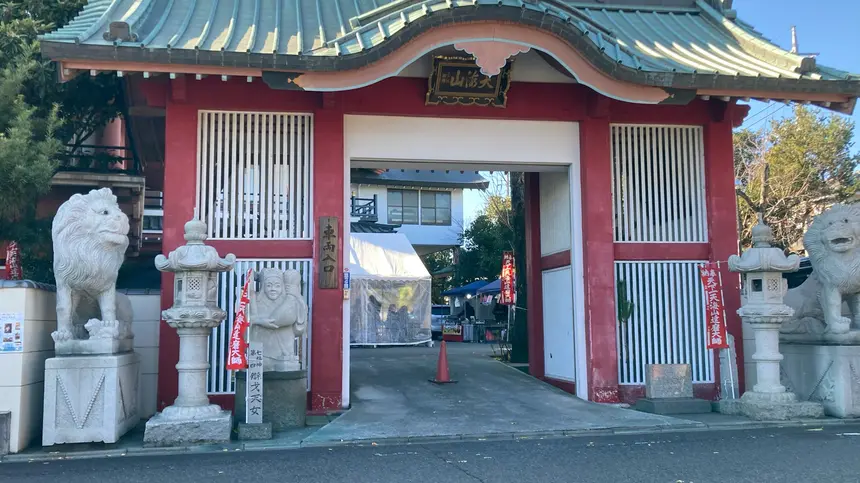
(419, 234)
(554, 213)
(22, 374)
(146, 305)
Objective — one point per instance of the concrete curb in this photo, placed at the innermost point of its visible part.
(421, 440)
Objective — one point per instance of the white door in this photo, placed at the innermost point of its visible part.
(559, 354)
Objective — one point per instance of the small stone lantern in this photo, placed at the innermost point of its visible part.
(763, 309)
(191, 419)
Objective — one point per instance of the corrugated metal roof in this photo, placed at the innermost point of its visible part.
(438, 179)
(693, 39)
(369, 227)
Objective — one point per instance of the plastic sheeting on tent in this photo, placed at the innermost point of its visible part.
(390, 291)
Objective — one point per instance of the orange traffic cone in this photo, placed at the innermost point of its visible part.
(442, 376)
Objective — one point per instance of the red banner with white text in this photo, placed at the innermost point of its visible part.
(13, 262)
(237, 357)
(507, 296)
(716, 327)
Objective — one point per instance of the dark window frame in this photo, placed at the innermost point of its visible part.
(402, 219)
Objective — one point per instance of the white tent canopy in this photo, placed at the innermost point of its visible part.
(390, 291)
(384, 255)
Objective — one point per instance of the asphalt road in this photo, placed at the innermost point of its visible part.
(783, 455)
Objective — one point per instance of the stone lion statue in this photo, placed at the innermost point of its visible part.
(90, 237)
(833, 245)
(278, 314)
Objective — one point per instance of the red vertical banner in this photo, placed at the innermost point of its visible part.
(716, 327)
(13, 262)
(237, 357)
(507, 296)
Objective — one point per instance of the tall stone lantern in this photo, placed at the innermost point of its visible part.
(763, 309)
(191, 418)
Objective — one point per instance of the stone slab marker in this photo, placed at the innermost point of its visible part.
(669, 390)
(668, 380)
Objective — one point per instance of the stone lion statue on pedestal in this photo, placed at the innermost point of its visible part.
(833, 245)
(278, 315)
(90, 237)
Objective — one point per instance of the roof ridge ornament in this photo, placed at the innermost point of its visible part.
(492, 55)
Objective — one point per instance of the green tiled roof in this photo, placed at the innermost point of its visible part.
(697, 37)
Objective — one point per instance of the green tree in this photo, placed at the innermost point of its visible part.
(483, 243)
(38, 116)
(792, 171)
(436, 262)
(28, 159)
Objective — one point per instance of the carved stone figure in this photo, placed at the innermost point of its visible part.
(832, 243)
(278, 314)
(90, 237)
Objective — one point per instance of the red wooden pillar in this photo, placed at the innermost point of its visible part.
(180, 170)
(598, 253)
(534, 286)
(327, 318)
(722, 221)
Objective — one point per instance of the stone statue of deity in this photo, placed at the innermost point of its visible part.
(278, 315)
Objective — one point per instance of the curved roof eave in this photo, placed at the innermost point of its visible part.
(577, 38)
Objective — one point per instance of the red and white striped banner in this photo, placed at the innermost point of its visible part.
(13, 262)
(710, 274)
(508, 293)
(237, 357)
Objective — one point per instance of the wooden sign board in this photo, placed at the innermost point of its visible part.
(459, 81)
(329, 276)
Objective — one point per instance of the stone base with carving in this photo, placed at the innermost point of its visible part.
(90, 398)
(828, 374)
(211, 427)
(770, 407)
(93, 346)
(285, 398)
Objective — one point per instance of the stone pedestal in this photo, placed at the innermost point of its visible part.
(90, 398)
(770, 407)
(191, 419)
(209, 426)
(255, 431)
(284, 398)
(769, 399)
(827, 374)
(74, 347)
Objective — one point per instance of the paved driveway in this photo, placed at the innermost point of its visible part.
(391, 397)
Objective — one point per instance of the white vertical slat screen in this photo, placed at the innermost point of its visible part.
(668, 321)
(219, 379)
(254, 174)
(658, 184)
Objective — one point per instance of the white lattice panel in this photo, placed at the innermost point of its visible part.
(254, 174)
(658, 184)
(219, 379)
(668, 321)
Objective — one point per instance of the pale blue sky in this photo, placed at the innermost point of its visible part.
(828, 27)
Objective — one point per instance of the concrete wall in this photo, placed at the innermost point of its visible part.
(419, 235)
(147, 316)
(22, 375)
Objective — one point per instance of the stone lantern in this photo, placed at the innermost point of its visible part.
(191, 418)
(763, 309)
